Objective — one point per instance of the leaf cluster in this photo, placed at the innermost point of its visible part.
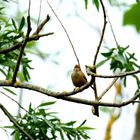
(121, 60)
(42, 124)
(95, 2)
(11, 33)
(132, 16)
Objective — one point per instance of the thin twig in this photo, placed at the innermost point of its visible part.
(14, 101)
(39, 28)
(29, 8)
(23, 45)
(102, 35)
(136, 102)
(66, 33)
(22, 49)
(15, 122)
(129, 73)
(35, 36)
(106, 90)
(93, 79)
(111, 27)
(39, 13)
(18, 45)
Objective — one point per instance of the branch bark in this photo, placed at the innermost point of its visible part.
(129, 73)
(58, 95)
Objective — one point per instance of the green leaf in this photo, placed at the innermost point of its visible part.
(40, 126)
(10, 127)
(22, 23)
(86, 128)
(8, 63)
(82, 123)
(41, 112)
(70, 123)
(3, 72)
(26, 74)
(86, 4)
(17, 135)
(46, 104)
(132, 16)
(96, 2)
(50, 124)
(120, 59)
(108, 54)
(10, 91)
(14, 24)
(101, 63)
(61, 135)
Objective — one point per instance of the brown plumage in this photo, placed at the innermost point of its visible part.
(78, 77)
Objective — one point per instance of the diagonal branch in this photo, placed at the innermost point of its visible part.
(35, 36)
(23, 45)
(42, 24)
(18, 45)
(66, 33)
(15, 122)
(22, 50)
(106, 90)
(14, 101)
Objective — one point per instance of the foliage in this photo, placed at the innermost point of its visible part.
(11, 34)
(121, 60)
(132, 16)
(96, 2)
(39, 122)
(42, 124)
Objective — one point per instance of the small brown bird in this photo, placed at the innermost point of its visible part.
(78, 77)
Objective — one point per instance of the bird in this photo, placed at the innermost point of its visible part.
(78, 77)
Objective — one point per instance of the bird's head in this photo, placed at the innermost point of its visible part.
(77, 68)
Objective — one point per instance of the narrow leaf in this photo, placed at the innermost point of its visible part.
(86, 128)
(46, 104)
(86, 4)
(61, 135)
(22, 23)
(3, 72)
(70, 123)
(96, 2)
(10, 91)
(101, 63)
(132, 16)
(14, 24)
(82, 123)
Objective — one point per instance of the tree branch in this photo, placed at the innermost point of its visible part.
(35, 36)
(102, 35)
(15, 122)
(129, 73)
(67, 98)
(42, 24)
(106, 90)
(93, 79)
(22, 48)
